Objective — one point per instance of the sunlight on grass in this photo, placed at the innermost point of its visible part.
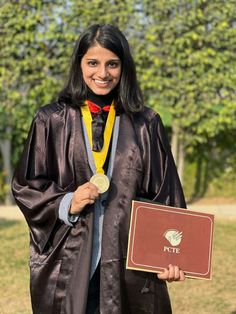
(14, 283)
(192, 297)
(217, 295)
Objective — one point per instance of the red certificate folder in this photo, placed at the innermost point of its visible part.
(161, 235)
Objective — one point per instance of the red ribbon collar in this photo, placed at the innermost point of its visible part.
(95, 108)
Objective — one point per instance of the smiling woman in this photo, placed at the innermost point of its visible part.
(87, 156)
(101, 69)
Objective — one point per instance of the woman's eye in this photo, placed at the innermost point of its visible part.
(92, 63)
(113, 64)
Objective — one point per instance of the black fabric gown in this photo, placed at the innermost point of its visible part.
(55, 162)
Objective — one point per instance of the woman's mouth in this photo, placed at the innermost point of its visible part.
(102, 83)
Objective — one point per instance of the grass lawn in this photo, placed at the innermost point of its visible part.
(217, 296)
(14, 283)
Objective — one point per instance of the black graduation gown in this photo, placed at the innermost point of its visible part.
(54, 162)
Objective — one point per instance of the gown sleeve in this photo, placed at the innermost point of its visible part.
(33, 185)
(161, 182)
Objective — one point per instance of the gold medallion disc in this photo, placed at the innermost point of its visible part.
(101, 181)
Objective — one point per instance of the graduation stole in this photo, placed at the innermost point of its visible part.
(99, 157)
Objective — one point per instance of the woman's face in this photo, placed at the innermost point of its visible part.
(101, 70)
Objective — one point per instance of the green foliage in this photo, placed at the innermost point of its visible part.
(209, 178)
(28, 71)
(190, 54)
(184, 52)
(187, 66)
(37, 39)
(3, 187)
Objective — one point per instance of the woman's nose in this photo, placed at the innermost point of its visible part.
(102, 72)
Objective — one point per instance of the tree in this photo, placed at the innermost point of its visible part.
(185, 58)
(28, 70)
(37, 39)
(189, 70)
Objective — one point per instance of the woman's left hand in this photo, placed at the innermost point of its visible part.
(172, 273)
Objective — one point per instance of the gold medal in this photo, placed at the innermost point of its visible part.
(101, 181)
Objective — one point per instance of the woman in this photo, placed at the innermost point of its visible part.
(76, 180)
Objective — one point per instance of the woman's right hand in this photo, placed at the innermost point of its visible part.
(84, 195)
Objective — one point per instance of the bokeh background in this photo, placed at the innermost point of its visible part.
(185, 54)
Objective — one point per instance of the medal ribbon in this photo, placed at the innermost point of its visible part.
(99, 157)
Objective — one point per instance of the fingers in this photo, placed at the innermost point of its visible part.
(182, 275)
(84, 195)
(172, 273)
(164, 275)
(87, 191)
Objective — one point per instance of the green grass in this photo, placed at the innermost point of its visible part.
(14, 283)
(217, 296)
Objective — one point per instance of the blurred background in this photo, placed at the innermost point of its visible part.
(185, 54)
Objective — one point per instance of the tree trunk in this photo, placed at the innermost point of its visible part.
(181, 160)
(5, 146)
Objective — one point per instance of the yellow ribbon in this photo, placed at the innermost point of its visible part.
(99, 157)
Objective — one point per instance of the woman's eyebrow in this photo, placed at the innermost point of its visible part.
(95, 59)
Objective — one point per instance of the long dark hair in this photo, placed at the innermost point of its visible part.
(128, 94)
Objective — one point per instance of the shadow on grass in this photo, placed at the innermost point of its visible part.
(5, 223)
(234, 312)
